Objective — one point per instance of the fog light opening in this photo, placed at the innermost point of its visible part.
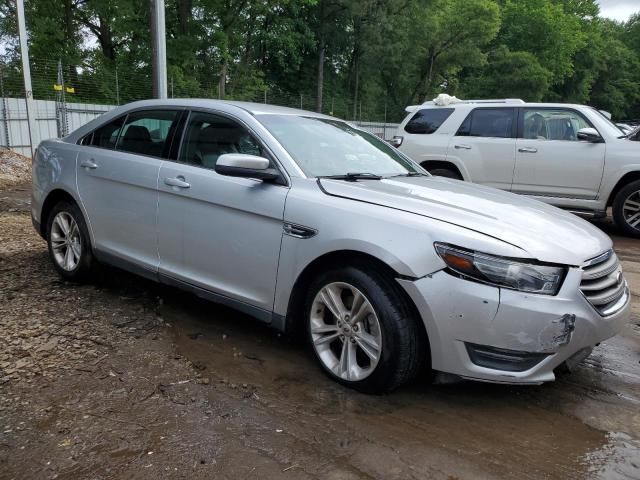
(503, 359)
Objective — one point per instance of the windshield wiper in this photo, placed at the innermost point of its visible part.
(353, 176)
(410, 174)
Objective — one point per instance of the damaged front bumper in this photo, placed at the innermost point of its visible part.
(487, 333)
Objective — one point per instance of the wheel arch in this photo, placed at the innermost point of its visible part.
(295, 310)
(54, 197)
(620, 184)
(433, 164)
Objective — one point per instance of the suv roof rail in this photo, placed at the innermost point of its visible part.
(488, 100)
(496, 100)
(413, 108)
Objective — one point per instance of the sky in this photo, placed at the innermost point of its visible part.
(619, 9)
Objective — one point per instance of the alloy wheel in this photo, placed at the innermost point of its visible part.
(631, 210)
(345, 331)
(65, 241)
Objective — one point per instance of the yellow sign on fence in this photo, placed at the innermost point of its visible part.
(58, 88)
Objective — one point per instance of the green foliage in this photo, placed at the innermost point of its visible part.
(358, 59)
(509, 75)
(543, 29)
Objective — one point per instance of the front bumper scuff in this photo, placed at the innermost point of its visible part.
(457, 311)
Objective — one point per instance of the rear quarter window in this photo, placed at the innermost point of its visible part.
(106, 136)
(427, 120)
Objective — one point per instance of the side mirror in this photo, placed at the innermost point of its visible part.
(589, 135)
(396, 141)
(246, 166)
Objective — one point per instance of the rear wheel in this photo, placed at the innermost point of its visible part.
(445, 172)
(626, 209)
(362, 332)
(68, 241)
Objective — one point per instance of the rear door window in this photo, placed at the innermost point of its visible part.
(148, 132)
(489, 122)
(427, 120)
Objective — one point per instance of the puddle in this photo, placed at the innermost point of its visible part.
(466, 429)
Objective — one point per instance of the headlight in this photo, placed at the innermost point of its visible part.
(502, 272)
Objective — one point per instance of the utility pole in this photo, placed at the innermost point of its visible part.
(159, 49)
(61, 105)
(26, 72)
(117, 88)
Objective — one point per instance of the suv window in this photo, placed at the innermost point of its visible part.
(208, 136)
(105, 136)
(552, 124)
(427, 120)
(146, 132)
(488, 122)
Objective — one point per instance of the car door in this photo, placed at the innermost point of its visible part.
(551, 161)
(217, 232)
(117, 174)
(485, 145)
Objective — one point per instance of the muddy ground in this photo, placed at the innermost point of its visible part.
(123, 378)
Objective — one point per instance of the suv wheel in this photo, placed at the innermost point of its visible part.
(362, 332)
(626, 209)
(68, 241)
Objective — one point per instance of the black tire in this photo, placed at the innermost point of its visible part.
(85, 265)
(405, 348)
(618, 208)
(445, 172)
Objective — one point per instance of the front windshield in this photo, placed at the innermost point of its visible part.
(615, 130)
(325, 147)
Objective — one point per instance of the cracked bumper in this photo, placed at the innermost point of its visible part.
(458, 312)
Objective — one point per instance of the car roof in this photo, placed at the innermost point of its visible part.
(254, 108)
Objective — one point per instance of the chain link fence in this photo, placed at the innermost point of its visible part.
(68, 96)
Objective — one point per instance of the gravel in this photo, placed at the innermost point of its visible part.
(14, 168)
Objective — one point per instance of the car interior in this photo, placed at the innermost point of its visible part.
(551, 127)
(206, 141)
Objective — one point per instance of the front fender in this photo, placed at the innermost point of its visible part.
(402, 240)
(613, 176)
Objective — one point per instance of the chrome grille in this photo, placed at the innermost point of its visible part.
(603, 284)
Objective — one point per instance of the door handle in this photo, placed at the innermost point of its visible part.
(177, 182)
(527, 150)
(90, 164)
(462, 147)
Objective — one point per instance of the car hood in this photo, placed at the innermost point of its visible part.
(544, 232)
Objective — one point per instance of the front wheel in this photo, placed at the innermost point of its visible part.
(626, 209)
(362, 331)
(68, 241)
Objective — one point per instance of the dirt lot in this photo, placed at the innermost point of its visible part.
(126, 379)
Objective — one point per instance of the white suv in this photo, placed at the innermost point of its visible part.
(571, 156)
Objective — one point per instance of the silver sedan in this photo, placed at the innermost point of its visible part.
(303, 220)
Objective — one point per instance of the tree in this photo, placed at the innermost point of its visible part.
(356, 58)
(509, 75)
(542, 28)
